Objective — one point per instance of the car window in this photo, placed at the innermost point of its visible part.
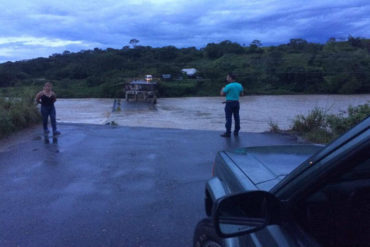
(338, 214)
(361, 171)
(307, 177)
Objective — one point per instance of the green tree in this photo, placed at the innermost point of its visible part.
(213, 51)
(134, 42)
(297, 44)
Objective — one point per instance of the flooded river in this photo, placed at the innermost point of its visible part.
(203, 113)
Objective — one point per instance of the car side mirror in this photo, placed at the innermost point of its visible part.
(245, 213)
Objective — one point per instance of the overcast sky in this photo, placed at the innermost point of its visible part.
(39, 28)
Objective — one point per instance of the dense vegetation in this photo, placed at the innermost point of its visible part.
(321, 127)
(296, 67)
(17, 113)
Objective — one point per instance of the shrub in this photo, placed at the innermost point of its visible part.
(6, 124)
(341, 123)
(316, 119)
(274, 127)
(320, 127)
(319, 136)
(17, 113)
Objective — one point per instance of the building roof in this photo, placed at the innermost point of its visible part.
(189, 71)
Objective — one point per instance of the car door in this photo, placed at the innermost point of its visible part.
(331, 202)
(338, 212)
(326, 205)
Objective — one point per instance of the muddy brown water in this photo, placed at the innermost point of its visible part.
(203, 113)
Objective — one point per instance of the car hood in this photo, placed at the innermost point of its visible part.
(266, 166)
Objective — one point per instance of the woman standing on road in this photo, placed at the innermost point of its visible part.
(46, 98)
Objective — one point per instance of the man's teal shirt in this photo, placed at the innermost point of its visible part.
(233, 90)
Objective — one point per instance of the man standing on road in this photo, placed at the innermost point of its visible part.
(47, 98)
(232, 91)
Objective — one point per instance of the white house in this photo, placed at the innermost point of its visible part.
(189, 71)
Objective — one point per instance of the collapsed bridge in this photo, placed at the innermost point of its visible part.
(141, 90)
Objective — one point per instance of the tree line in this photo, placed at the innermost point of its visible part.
(298, 67)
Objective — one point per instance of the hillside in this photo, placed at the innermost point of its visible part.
(299, 67)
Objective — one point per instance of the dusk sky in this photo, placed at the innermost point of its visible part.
(39, 28)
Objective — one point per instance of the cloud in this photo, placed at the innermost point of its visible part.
(81, 24)
(38, 41)
(26, 47)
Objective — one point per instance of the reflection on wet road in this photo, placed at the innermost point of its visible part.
(109, 186)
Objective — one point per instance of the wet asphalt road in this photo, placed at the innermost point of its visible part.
(109, 186)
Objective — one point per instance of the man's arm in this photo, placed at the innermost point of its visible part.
(222, 93)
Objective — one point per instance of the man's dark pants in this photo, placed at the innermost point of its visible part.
(47, 111)
(232, 108)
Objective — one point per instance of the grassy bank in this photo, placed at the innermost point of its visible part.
(17, 113)
(320, 127)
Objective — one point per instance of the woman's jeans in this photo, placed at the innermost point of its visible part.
(232, 108)
(47, 111)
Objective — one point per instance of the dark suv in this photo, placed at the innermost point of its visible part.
(261, 196)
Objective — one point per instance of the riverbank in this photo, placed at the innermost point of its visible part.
(321, 127)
